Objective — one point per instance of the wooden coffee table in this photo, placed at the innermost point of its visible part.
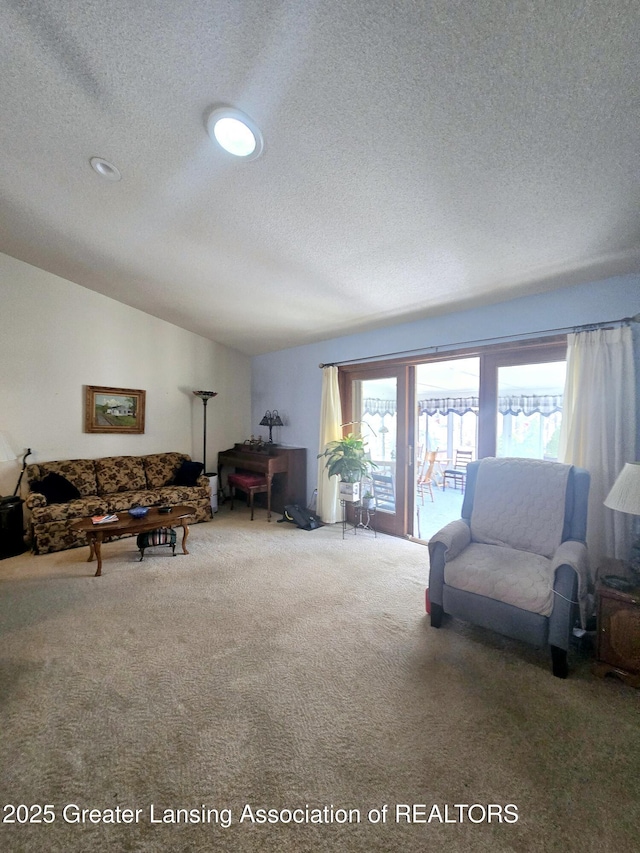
(128, 525)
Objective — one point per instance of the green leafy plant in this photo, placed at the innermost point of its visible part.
(347, 458)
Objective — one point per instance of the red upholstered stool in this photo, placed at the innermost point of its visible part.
(252, 484)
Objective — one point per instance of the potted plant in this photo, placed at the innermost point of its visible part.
(347, 459)
(368, 500)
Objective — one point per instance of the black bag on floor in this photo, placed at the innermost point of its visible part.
(303, 518)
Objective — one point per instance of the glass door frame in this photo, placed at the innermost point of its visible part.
(492, 356)
(554, 349)
(396, 523)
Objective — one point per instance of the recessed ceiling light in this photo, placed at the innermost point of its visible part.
(105, 169)
(235, 132)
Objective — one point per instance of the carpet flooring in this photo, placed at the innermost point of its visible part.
(162, 706)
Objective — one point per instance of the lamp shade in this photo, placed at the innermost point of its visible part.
(6, 453)
(205, 396)
(625, 493)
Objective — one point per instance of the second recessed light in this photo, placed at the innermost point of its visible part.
(105, 169)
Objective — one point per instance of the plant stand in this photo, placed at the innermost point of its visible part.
(364, 518)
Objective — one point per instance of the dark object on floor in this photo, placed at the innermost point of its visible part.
(163, 536)
(303, 518)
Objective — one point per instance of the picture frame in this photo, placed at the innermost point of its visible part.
(114, 410)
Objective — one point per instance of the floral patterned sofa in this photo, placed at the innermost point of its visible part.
(111, 484)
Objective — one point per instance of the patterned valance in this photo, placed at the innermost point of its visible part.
(514, 404)
(374, 406)
(530, 404)
(448, 406)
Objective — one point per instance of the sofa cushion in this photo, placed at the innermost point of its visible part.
(120, 474)
(180, 495)
(80, 472)
(161, 468)
(123, 501)
(56, 488)
(69, 511)
(188, 473)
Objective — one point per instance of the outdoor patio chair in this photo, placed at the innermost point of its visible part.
(384, 492)
(458, 472)
(425, 478)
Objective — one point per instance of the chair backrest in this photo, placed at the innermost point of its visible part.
(384, 491)
(462, 459)
(426, 469)
(575, 498)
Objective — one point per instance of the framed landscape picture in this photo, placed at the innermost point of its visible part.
(114, 409)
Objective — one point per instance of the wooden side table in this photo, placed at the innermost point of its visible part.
(618, 644)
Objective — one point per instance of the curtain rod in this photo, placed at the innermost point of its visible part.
(587, 327)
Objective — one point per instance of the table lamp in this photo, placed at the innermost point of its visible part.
(625, 497)
(270, 420)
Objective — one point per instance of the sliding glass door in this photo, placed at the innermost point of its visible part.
(375, 401)
(521, 391)
(530, 409)
(504, 400)
(447, 402)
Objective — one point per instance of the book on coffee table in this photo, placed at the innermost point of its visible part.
(103, 519)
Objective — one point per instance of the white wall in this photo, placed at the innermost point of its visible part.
(57, 337)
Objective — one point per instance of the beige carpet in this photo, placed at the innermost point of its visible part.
(278, 669)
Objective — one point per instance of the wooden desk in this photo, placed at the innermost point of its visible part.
(288, 463)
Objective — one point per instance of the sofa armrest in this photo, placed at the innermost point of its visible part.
(34, 500)
(203, 482)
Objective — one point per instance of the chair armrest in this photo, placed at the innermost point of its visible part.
(574, 555)
(35, 499)
(455, 537)
(570, 552)
(565, 602)
(446, 544)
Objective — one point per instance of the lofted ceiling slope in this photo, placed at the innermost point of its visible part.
(419, 156)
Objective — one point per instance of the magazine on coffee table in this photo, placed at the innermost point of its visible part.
(103, 519)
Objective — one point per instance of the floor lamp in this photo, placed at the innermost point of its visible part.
(205, 396)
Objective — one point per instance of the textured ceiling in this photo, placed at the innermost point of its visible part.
(420, 156)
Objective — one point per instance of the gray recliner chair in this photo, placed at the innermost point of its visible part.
(516, 562)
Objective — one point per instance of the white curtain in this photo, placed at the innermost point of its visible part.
(328, 507)
(598, 428)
